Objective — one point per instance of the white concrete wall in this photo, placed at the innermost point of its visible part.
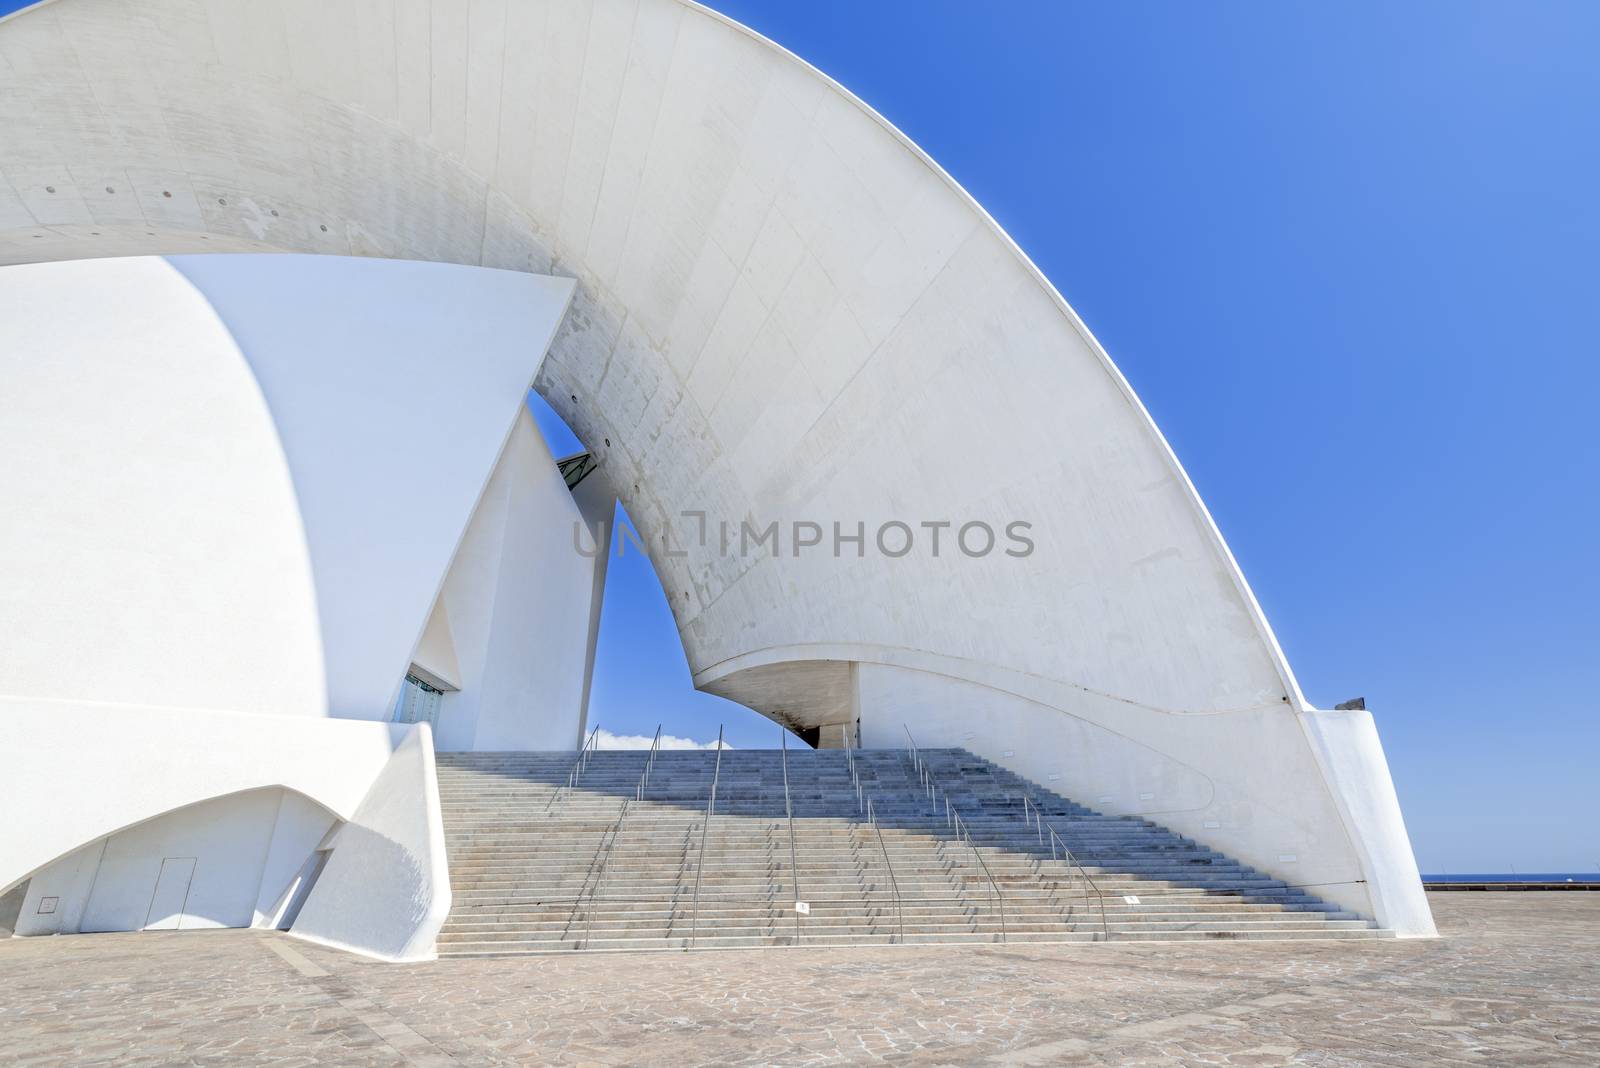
(1346, 743)
(516, 607)
(301, 826)
(151, 549)
(103, 792)
(78, 771)
(1253, 785)
(386, 889)
(393, 388)
(163, 547)
(238, 844)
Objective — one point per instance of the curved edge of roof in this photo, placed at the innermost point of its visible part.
(1263, 626)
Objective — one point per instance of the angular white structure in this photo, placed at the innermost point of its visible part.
(232, 530)
(783, 312)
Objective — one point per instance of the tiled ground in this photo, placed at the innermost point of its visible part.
(1517, 981)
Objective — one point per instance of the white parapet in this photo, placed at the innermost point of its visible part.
(386, 889)
(82, 775)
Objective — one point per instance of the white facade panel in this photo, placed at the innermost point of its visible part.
(151, 551)
(516, 610)
(393, 389)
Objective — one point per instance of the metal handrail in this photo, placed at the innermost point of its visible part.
(953, 818)
(1030, 808)
(649, 763)
(601, 849)
(855, 776)
(1072, 862)
(578, 766)
(594, 892)
(616, 832)
(788, 808)
(894, 884)
(700, 866)
(963, 832)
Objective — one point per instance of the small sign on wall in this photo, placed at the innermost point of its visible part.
(1131, 899)
(803, 907)
(47, 905)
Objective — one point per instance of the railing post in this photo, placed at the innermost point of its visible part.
(1072, 864)
(700, 868)
(894, 884)
(788, 808)
(964, 834)
(577, 767)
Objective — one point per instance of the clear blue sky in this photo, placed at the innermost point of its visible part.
(1347, 253)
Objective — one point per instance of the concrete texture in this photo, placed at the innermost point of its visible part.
(1515, 980)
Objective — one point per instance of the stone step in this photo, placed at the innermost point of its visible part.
(534, 859)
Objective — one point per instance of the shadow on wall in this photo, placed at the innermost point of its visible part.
(242, 860)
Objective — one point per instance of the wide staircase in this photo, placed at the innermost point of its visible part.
(629, 850)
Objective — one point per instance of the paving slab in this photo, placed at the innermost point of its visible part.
(1516, 981)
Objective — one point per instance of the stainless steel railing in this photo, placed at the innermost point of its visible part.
(855, 776)
(1072, 864)
(602, 855)
(788, 808)
(953, 819)
(700, 867)
(894, 884)
(616, 832)
(996, 898)
(604, 863)
(649, 764)
(578, 766)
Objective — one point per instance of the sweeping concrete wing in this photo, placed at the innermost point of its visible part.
(393, 389)
(785, 314)
(239, 482)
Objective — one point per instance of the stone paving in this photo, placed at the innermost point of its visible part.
(1515, 982)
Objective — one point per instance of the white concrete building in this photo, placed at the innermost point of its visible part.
(779, 310)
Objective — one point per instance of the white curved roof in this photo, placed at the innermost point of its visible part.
(785, 310)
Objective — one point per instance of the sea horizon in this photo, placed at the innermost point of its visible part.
(1513, 877)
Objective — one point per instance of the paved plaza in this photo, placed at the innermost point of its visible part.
(1515, 980)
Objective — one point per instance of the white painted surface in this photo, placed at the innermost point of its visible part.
(516, 610)
(151, 549)
(1346, 741)
(1308, 798)
(204, 865)
(300, 826)
(111, 777)
(1250, 773)
(166, 903)
(81, 771)
(386, 889)
(783, 307)
(597, 503)
(156, 543)
(393, 388)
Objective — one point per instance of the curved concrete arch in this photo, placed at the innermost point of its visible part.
(786, 313)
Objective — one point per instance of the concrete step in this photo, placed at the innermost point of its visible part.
(541, 866)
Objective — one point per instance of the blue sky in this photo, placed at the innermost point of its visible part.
(1347, 255)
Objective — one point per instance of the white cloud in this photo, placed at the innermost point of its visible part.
(607, 740)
